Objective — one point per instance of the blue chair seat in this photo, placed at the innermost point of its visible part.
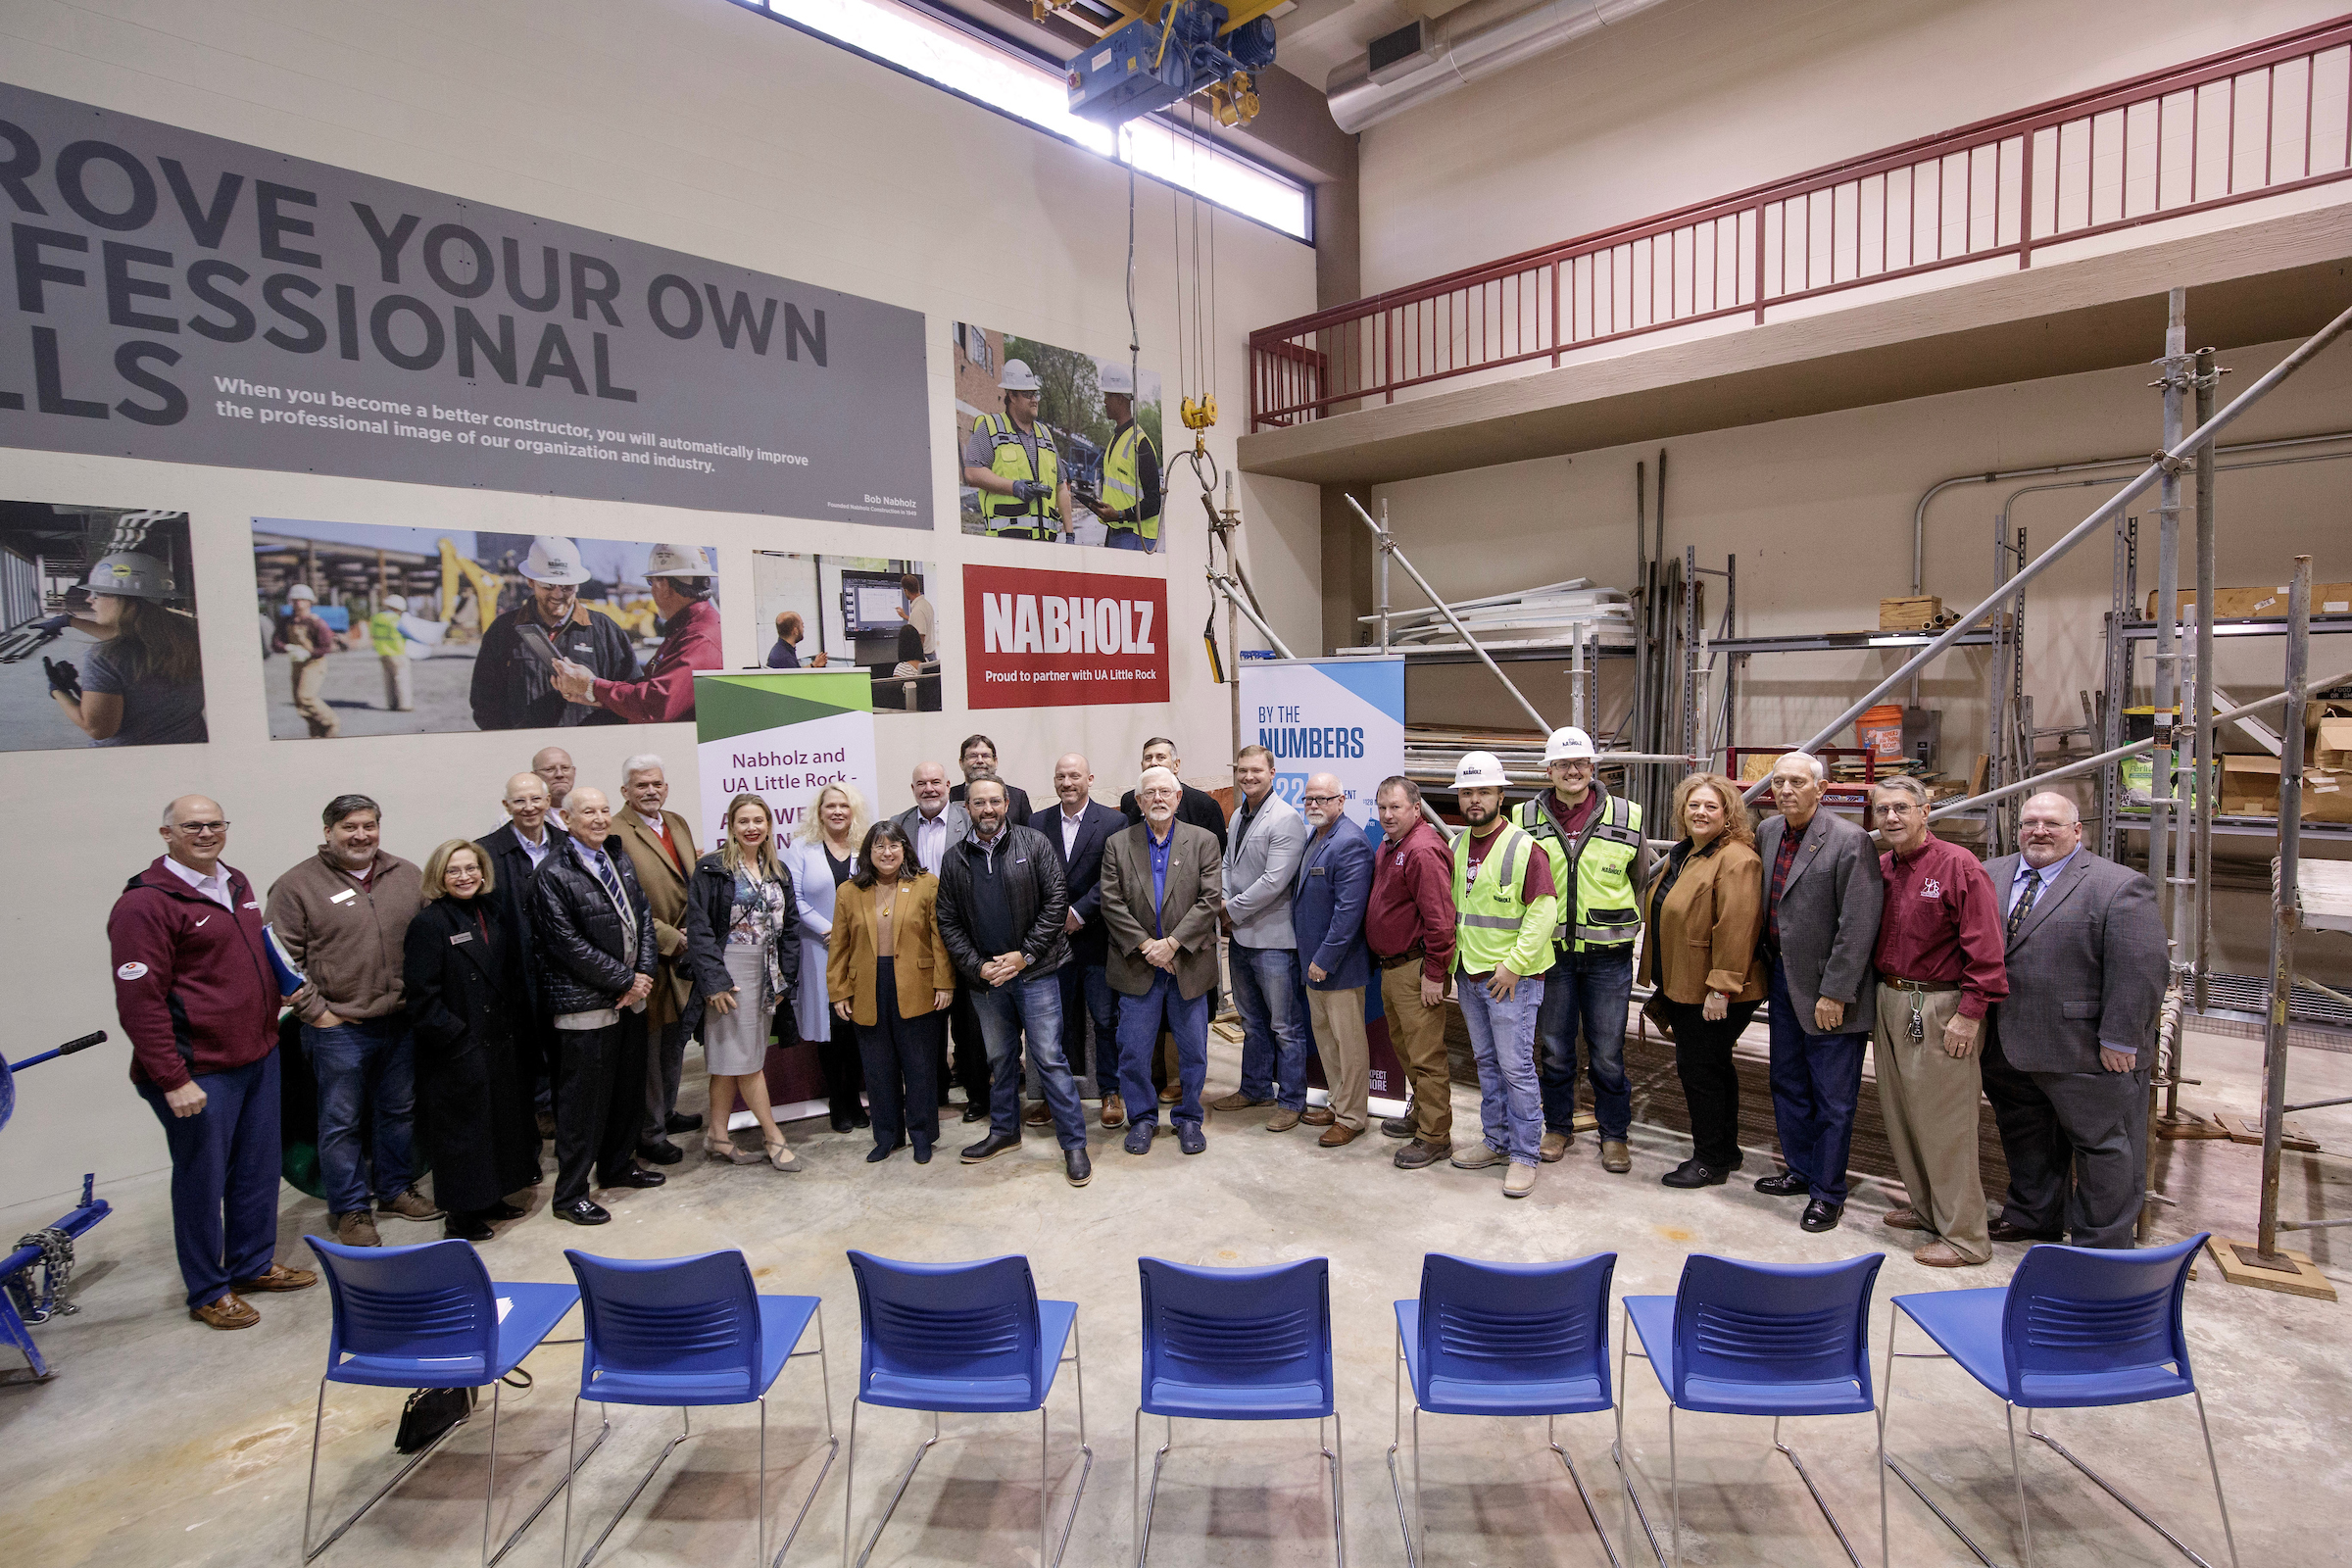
(1579, 1396)
(1259, 1402)
(535, 1314)
(1967, 1326)
(1653, 1324)
(782, 1321)
(999, 1396)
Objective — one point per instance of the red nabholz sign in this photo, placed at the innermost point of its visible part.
(1063, 639)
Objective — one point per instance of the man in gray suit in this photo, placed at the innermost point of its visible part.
(1824, 894)
(931, 824)
(2067, 1057)
(1160, 896)
(1263, 844)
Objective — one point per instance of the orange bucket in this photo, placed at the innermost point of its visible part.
(1880, 730)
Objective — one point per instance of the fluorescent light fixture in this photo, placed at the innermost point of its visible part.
(1003, 80)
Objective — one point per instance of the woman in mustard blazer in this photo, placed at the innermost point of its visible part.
(1704, 913)
(888, 972)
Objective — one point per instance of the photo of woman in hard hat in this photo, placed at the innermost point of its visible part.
(100, 647)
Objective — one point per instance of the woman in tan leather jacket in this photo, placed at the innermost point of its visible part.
(1704, 911)
(888, 972)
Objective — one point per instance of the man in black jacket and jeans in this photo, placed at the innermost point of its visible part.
(594, 932)
(1001, 910)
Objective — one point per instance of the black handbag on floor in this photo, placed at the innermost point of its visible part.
(429, 1413)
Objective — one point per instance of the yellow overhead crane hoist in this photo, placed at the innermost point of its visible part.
(1167, 51)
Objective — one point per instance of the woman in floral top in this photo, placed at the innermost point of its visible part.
(743, 948)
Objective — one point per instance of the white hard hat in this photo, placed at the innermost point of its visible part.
(1018, 377)
(301, 590)
(554, 559)
(677, 561)
(127, 575)
(1567, 745)
(1479, 769)
(395, 602)
(1117, 379)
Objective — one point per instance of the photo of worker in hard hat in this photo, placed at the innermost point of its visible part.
(99, 647)
(1056, 445)
(412, 631)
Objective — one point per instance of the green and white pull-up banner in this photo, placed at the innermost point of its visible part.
(783, 735)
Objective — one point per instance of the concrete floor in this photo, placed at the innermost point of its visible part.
(160, 1442)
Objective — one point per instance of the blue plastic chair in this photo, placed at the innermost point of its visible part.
(427, 1317)
(969, 1338)
(2075, 1327)
(689, 1331)
(1237, 1345)
(1757, 1339)
(1502, 1340)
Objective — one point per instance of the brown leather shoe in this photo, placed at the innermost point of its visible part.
(1553, 1147)
(357, 1229)
(1615, 1157)
(1943, 1254)
(1339, 1135)
(1317, 1116)
(277, 1277)
(1037, 1115)
(1237, 1101)
(1902, 1219)
(408, 1204)
(1281, 1121)
(1114, 1111)
(229, 1312)
(1171, 1093)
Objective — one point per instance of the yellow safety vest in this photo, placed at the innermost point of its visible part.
(1493, 925)
(384, 629)
(1010, 459)
(1123, 481)
(1607, 911)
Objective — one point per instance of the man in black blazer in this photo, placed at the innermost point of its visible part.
(978, 759)
(1077, 831)
(1197, 807)
(2068, 1051)
(517, 847)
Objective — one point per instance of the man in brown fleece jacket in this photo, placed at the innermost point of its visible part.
(343, 915)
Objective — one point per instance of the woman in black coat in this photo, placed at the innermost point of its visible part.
(473, 1103)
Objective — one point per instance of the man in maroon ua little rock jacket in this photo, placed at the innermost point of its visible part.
(197, 995)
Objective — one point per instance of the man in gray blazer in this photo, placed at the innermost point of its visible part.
(1263, 844)
(2068, 1054)
(1161, 892)
(1823, 897)
(932, 824)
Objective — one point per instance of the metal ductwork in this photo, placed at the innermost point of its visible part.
(1477, 40)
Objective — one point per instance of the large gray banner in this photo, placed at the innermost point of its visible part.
(194, 300)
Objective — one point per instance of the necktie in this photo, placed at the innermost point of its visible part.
(603, 867)
(2025, 902)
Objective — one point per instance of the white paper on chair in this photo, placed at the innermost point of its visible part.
(505, 1305)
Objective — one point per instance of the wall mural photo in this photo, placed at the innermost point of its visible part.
(1054, 444)
(372, 630)
(97, 628)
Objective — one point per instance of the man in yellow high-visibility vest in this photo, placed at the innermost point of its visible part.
(1012, 462)
(1505, 905)
(1130, 499)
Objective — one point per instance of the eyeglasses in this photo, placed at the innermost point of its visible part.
(199, 829)
(1319, 799)
(1892, 809)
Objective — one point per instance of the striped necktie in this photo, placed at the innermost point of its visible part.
(602, 865)
(2025, 902)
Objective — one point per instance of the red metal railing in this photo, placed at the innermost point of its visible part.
(2255, 122)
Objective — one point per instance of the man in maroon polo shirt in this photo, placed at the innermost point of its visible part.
(1409, 924)
(1941, 966)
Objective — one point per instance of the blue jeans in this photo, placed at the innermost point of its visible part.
(1591, 992)
(1502, 1037)
(1815, 1081)
(1031, 1007)
(1086, 994)
(1125, 539)
(1274, 1037)
(224, 1163)
(367, 1071)
(1140, 1019)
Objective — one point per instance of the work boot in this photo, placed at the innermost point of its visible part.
(1554, 1146)
(1479, 1156)
(1114, 1110)
(1519, 1181)
(408, 1204)
(1038, 1114)
(229, 1312)
(356, 1228)
(1615, 1157)
(1418, 1156)
(1170, 1093)
(1339, 1135)
(1317, 1116)
(1397, 1126)
(1283, 1120)
(1237, 1101)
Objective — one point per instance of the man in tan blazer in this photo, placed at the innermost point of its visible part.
(660, 847)
(1162, 886)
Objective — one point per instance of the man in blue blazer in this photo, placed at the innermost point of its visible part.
(1077, 831)
(1328, 898)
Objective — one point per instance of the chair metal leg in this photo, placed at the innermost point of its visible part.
(2104, 1484)
(1077, 1360)
(849, 1487)
(1819, 1501)
(1334, 1457)
(905, 1480)
(1674, 1486)
(832, 1451)
(1407, 1527)
(2220, 1501)
(1337, 1457)
(1617, 1456)
(1142, 1514)
(685, 1431)
(2025, 1516)
(1551, 1437)
(1889, 1462)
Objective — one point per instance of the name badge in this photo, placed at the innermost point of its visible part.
(1316, 872)
(460, 939)
(344, 897)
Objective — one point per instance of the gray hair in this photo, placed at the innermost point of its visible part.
(1398, 781)
(1146, 779)
(1820, 772)
(572, 800)
(1905, 784)
(641, 763)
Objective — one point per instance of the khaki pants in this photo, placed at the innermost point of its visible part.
(310, 678)
(1418, 1035)
(1930, 1103)
(399, 691)
(1337, 1019)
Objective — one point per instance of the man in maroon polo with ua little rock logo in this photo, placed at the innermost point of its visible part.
(199, 997)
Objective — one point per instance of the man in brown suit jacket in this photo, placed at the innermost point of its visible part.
(1162, 886)
(660, 847)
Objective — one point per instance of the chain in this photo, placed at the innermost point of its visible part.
(56, 1266)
